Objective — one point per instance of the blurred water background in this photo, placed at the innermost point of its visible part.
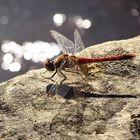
(25, 25)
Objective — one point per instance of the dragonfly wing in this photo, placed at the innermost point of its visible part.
(66, 45)
(79, 46)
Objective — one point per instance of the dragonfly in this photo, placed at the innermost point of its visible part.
(68, 61)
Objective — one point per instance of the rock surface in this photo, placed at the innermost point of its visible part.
(111, 111)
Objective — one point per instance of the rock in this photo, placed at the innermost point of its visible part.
(108, 110)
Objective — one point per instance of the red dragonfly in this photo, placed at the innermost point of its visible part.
(69, 60)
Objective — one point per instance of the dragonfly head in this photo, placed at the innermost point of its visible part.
(49, 65)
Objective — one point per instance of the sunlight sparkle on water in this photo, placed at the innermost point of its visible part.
(4, 66)
(134, 12)
(37, 51)
(82, 23)
(6, 46)
(4, 20)
(12, 47)
(15, 66)
(86, 23)
(8, 58)
(40, 51)
(27, 55)
(59, 19)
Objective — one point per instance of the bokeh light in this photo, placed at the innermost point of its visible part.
(7, 58)
(82, 23)
(134, 12)
(27, 55)
(59, 19)
(4, 66)
(37, 51)
(4, 20)
(86, 23)
(12, 47)
(15, 66)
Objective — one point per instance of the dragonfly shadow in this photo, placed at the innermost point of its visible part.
(64, 90)
(96, 95)
(69, 92)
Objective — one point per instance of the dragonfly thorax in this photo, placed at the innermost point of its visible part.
(65, 61)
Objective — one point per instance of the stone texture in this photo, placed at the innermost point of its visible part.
(109, 110)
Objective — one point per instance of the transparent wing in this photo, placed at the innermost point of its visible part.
(79, 46)
(66, 45)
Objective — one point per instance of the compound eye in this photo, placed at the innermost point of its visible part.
(51, 61)
(49, 65)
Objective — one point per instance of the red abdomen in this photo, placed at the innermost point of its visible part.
(110, 58)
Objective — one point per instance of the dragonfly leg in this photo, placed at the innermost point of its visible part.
(64, 77)
(77, 72)
(53, 74)
(62, 67)
(50, 78)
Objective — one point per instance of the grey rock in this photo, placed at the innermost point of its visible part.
(108, 109)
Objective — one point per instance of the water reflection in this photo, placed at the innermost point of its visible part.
(37, 51)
